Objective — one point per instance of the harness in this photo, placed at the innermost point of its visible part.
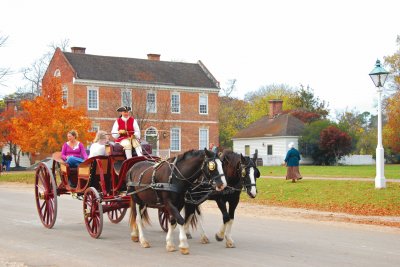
(174, 173)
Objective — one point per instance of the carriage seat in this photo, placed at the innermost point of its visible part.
(114, 149)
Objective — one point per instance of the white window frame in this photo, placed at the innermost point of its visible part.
(206, 141)
(57, 73)
(179, 102)
(148, 108)
(127, 102)
(90, 89)
(174, 131)
(65, 94)
(205, 97)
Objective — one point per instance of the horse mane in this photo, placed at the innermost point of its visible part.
(230, 155)
(189, 154)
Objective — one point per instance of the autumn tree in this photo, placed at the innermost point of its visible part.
(44, 122)
(393, 62)
(5, 135)
(391, 131)
(335, 143)
(306, 106)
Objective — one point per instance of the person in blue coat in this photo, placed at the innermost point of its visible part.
(292, 163)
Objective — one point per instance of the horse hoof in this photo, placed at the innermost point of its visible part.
(135, 238)
(145, 244)
(188, 236)
(230, 244)
(171, 248)
(184, 251)
(218, 237)
(204, 240)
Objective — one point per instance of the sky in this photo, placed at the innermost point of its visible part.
(330, 46)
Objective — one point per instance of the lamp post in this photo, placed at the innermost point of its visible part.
(378, 76)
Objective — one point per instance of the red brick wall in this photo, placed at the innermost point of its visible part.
(110, 100)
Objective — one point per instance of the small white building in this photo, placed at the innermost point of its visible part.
(270, 135)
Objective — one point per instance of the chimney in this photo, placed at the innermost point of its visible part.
(10, 104)
(155, 57)
(275, 107)
(78, 50)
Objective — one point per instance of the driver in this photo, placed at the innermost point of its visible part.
(126, 132)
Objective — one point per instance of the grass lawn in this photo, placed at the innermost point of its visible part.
(354, 197)
(392, 171)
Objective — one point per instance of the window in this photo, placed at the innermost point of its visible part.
(247, 150)
(93, 98)
(65, 94)
(175, 103)
(126, 98)
(203, 138)
(95, 128)
(175, 139)
(151, 136)
(269, 150)
(57, 73)
(151, 102)
(203, 104)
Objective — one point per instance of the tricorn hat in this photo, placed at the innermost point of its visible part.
(125, 108)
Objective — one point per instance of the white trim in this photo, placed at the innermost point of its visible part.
(92, 88)
(208, 137)
(155, 120)
(206, 96)
(126, 90)
(180, 139)
(144, 86)
(151, 91)
(179, 102)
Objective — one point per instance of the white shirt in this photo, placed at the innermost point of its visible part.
(97, 149)
(115, 133)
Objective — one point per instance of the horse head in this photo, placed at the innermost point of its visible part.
(249, 174)
(212, 169)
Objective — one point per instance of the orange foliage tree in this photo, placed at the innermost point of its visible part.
(391, 131)
(45, 121)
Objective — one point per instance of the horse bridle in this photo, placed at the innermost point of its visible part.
(244, 173)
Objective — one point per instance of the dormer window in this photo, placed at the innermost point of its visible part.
(57, 73)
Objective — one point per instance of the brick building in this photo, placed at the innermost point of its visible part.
(175, 103)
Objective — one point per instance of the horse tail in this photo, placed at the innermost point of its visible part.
(145, 216)
(191, 212)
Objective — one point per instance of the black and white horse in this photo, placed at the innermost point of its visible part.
(241, 172)
(164, 185)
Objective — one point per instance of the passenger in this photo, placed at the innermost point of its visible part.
(126, 131)
(98, 148)
(73, 152)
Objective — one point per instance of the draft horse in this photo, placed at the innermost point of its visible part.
(163, 185)
(241, 173)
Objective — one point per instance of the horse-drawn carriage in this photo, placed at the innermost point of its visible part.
(99, 182)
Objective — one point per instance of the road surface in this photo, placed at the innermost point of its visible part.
(261, 240)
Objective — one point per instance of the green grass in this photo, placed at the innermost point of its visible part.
(355, 197)
(20, 177)
(392, 171)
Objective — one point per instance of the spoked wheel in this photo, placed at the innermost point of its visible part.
(116, 215)
(93, 212)
(46, 195)
(163, 218)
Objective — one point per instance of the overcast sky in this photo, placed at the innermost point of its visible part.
(329, 45)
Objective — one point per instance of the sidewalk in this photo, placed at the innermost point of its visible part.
(335, 178)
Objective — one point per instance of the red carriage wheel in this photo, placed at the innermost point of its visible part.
(93, 212)
(117, 214)
(163, 218)
(46, 195)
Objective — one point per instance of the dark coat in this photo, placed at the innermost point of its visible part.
(292, 157)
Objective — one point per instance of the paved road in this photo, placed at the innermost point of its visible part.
(261, 241)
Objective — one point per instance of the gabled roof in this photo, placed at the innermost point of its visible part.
(281, 125)
(133, 70)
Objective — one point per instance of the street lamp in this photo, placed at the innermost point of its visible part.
(378, 76)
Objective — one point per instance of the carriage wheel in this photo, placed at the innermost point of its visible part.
(93, 212)
(116, 215)
(163, 218)
(46, 195)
